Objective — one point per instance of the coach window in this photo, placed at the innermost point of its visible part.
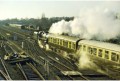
(63, 43)
(79, 47)
(118, 58)
(94, 51)
(107, 54)
(54, 40)
(89, 50)
(50, 40)
(73, 46)
(84, 48)
(60, 42)
(114, 56)
(66, 44)
(57, 41)
(69, 44)
(100, 53)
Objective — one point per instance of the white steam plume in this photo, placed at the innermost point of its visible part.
(85, 62)
(98, 23)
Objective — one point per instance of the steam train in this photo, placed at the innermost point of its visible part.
(105, 55)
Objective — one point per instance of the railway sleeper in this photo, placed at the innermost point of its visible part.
(31, 75)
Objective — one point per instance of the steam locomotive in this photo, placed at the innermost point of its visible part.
(105, 55)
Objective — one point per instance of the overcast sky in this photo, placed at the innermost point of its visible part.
(35, 8)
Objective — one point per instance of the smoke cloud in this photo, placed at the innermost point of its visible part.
(85, 62)
(96, 23)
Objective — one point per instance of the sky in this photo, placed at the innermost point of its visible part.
(51, 8)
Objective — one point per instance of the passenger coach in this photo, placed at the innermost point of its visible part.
(103, 50)
(65, 43)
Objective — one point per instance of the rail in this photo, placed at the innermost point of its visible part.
(5, 74)
(30, 72)
(56, 65)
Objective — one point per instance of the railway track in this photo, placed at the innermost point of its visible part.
(41, 61)
(19, 33)
(3, 71)
(45, 56)
(53, 73)
(38, 53)
(91, 74)
(52, 62)
(55, 76)
(29, 71)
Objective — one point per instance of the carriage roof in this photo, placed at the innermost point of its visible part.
(100, 44)
(63, 37)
